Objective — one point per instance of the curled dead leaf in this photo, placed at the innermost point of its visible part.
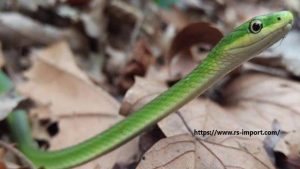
(254, 102)
(184, 151)
(137, 66)
(81, 108)
(79, 128)
(195, 33)
(55, 80)
(191, 45)
(290, 147)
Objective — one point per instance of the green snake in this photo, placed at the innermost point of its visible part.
(246, 41)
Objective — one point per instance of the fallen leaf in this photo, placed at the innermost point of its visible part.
(253, 102)
(139, 94)
(158, 73)
(81, 108)
(194, 33)
(290, 147)
(184, 151)
(55, 80)
(138, 65)
(80, 128)
(2, 165)
(199, 114)
(202, 114)
(181, 56)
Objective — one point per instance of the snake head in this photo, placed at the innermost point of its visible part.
(257, 34)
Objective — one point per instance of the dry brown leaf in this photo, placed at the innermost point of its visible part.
(138, 65)
(2, 165)
(77, 129)
(199, 33)
(140, 93)
(290, 147)
(83, 109)
(256, 100)
(159, 74)
(199, 114)
(184, 151)
(55, 80)
(194, 33)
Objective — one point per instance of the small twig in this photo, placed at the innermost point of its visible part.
(17, 153)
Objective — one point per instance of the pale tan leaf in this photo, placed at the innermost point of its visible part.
(55, 80)
(184, 151)
(255, 100)
(140, 93)
(199, 114)
(290, 147)
(82, 109)
(202, 114)
(77, 129)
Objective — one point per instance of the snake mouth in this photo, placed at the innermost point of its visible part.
(288, 26)
(290, 23)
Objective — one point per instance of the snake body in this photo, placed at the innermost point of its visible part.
(240, 45)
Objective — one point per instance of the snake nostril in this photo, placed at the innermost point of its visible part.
(278, 18)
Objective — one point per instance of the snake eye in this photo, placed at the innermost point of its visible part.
(255, 26)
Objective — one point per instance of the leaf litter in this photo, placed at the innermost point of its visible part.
(55, 75)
